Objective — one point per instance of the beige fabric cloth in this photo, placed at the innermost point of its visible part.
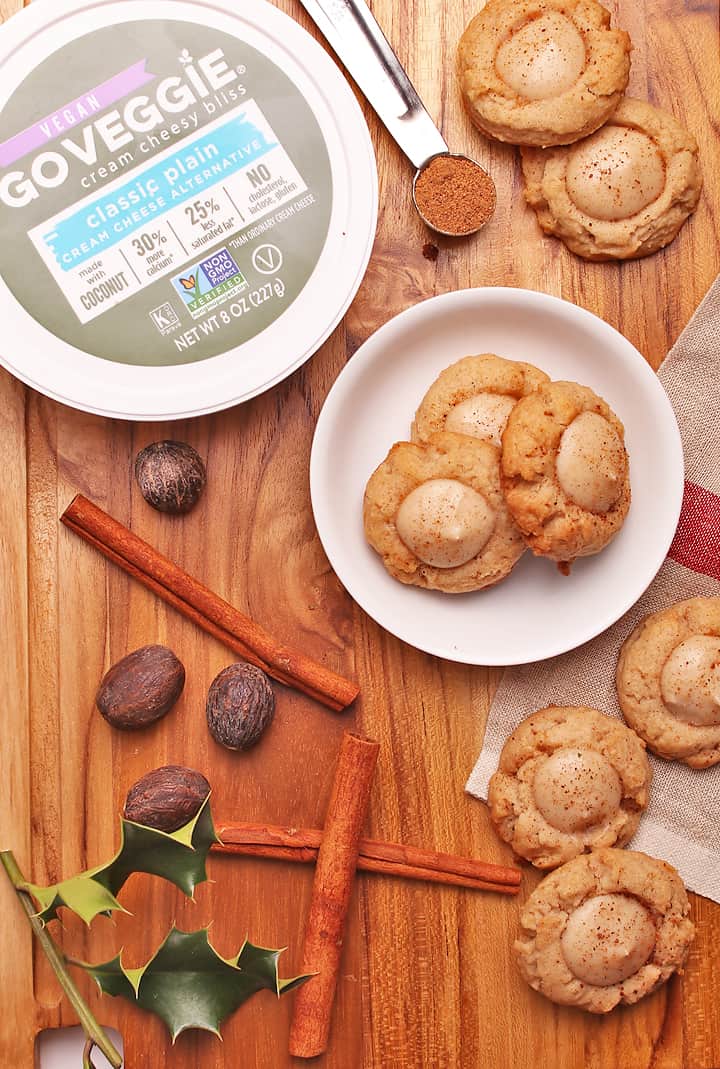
(682, 824)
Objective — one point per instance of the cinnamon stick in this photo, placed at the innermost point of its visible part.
(368, 864)
(334, 874)
(393, 859)
(209, 611)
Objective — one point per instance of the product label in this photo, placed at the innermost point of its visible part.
(168, 208)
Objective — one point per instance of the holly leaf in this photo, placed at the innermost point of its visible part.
(263, 964)
(177, 856)
(189, 985)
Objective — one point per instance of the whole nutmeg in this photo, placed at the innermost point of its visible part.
(166, 798)
(240, 705)
(141, 687)
(171, 476)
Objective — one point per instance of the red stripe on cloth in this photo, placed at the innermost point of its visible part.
(696, 544)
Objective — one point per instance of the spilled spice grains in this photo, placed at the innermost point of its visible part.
(430, 251)
(454, 195)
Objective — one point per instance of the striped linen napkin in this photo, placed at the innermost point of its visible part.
(682, 823)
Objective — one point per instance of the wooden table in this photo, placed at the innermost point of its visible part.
(427, 977)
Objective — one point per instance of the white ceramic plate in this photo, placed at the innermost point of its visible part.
(536, 612)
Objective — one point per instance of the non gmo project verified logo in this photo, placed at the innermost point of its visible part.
(209, 283)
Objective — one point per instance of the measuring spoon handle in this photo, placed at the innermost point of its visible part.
(352, 32)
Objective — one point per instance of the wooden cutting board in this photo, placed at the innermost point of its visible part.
(427, 977)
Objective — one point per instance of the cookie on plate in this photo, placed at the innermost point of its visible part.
(621, 193)
(542, 72)
(569, 780)
(475, 396)
(436, 514)
(668, 681)
(565, 471)
(606, 928)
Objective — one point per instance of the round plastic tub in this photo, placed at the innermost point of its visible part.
(188, 198)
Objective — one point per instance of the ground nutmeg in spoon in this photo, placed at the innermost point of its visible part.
(454, 195)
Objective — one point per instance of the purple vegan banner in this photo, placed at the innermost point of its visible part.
(79, 110)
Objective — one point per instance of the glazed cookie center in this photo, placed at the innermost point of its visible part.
(607, 939)
(544, 58)
(690, 680)
(444, 522)
(590, 462)
(576, 789)
(615, 173)
(482, 416)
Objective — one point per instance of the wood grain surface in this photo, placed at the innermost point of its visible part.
(427, 977)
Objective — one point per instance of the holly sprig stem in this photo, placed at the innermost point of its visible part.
(95, 1034)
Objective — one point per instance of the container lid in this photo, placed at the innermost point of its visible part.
(188, 198)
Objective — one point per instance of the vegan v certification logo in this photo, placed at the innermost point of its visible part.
(205, 285)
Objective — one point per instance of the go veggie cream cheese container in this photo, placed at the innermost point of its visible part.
(188, 199)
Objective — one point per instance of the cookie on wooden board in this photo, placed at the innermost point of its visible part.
(623, 192)
(542, 72)
(606, 928)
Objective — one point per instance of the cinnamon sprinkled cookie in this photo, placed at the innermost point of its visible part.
(565, 471)
(569, 780)
(668, 681)
(435, 513)
(542, 72)
(622, 193)
(605, 928)
(475, 396)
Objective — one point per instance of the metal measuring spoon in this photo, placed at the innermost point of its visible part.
(351, 30)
